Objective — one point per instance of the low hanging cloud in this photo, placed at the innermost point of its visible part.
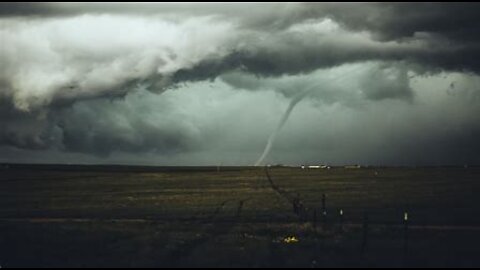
(62, 60)
(85, 54)
(72, 75)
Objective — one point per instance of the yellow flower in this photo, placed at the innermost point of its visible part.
(290, 239)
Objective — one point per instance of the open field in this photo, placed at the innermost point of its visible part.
(199, 216)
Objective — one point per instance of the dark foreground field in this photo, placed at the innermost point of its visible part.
(81, 216)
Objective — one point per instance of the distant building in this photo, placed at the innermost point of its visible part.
(315, 167)
(353, 167)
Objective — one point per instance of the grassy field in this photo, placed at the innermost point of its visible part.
(106, 216)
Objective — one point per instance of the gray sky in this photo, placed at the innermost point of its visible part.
(208, 84)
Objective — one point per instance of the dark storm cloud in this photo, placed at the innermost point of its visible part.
(294, 55)
(391, 21)
(431, 36)
(21, 129)
(101, 127)
(387, 83)
(451, 29)
(266, 40)
(71, 72)
(35, 9)
(8, 9)
(261, 15)
(388, 20)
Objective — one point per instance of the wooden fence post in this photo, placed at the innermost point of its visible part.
(341, 219)
(405, 240)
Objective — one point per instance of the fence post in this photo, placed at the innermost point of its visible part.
(405, 240)
(341, 219)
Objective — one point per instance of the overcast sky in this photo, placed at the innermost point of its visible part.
(210, 84)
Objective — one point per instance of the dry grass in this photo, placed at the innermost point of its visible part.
(193, 217)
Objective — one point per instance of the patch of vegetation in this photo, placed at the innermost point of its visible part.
(235, 218)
